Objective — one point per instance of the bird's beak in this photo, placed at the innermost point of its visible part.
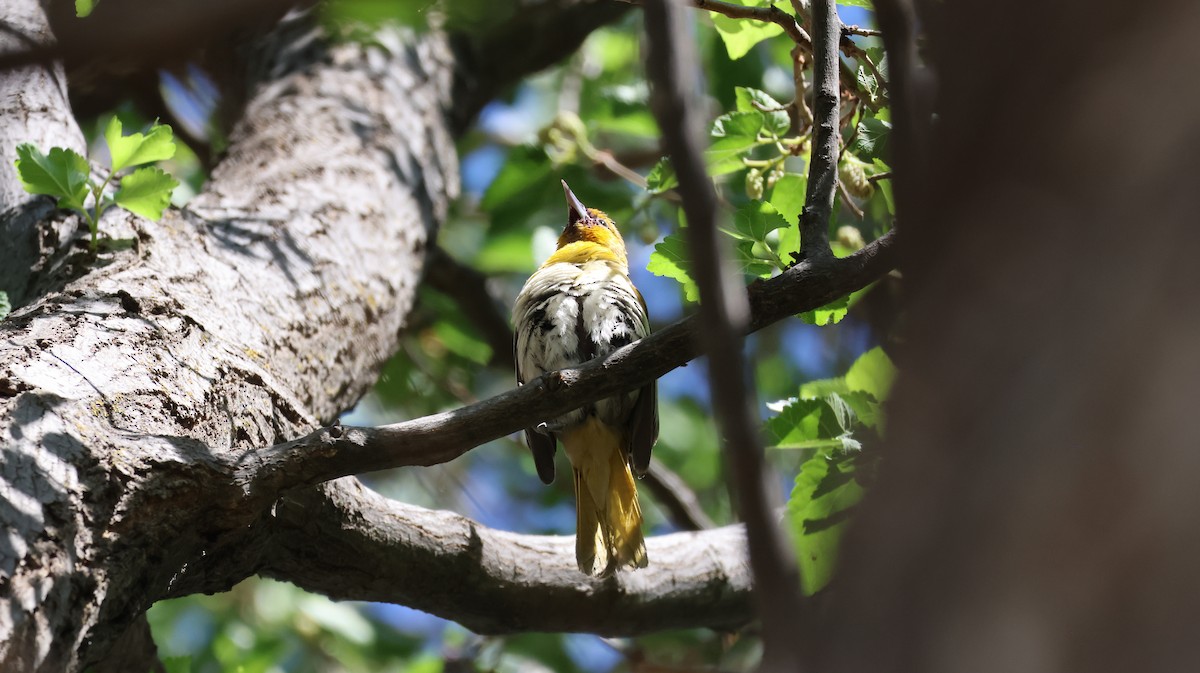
(575, 209)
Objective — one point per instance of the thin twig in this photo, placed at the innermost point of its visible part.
(848, 201)
(885, 175)
(676, 498)
(724, 312)
(858, 30)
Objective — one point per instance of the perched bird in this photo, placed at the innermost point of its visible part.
(578, 306)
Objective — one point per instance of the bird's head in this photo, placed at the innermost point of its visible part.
(589, 225)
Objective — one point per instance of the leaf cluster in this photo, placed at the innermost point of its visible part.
(65, 174)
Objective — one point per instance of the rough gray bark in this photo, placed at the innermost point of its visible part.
(127, 392)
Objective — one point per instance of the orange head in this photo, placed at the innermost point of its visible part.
(590, 226)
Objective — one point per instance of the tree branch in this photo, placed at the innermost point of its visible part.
(675, 497)
(337, 451)
(822, 172)
(724, 314)
(373, 548)
(768, 14)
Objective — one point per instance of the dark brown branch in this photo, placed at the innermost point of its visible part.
(822, 172)
(468, 288)
(338, 451)
(673, 494)
(492, 581)
(724, 314)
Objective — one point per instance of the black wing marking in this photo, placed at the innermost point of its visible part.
(541, 446)
(643, 431)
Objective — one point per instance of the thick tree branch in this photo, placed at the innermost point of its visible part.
(724, 314)
(491, 581)
(822, 172)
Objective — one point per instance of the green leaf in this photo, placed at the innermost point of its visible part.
(829, 314)
(670, 260)
(751, 258)
(787, 196)
(462, 341)
(855, 3)
(146, 191)
(871, 140)
(822, 423)
(776, 119)
(885, 186)
(824, 494)
(509, 251)
(5, 305)
(662, 177)
(757, 219)
(740, 35)
(63, 173)
(735, 134)
(136, 149)
(873, 372)
(83, 8)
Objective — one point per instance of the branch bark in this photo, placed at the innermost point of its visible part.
(494, 581)
(724, 315)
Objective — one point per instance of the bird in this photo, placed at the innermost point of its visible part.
(579, 305)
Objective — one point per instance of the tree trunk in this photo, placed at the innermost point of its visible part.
(1039, 504)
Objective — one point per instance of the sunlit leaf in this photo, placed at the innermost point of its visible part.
(63, 173)
(740, 35)
(146, 191)
(670, 260)
(136, 149)
(662, 177)
(829, 314)
(873, 372)
(734, 135)
(776, 119)
(824, 493)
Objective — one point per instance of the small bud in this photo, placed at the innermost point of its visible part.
(754, 184)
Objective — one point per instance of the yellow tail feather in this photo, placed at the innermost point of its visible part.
(609, 520)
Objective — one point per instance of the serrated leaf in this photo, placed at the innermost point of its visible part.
(62, 173)
(787, 196)
(136, 149)
(756, 219)
(740, 35)
(662, 177)
(735, 134)
(867, 82)
(5, 305)
(829, 314)
(871, 139)
(670, 260)
(146, 191)
(775, 116)
(751, 259)
(873, 372)
(802, 424)
(822, 499)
